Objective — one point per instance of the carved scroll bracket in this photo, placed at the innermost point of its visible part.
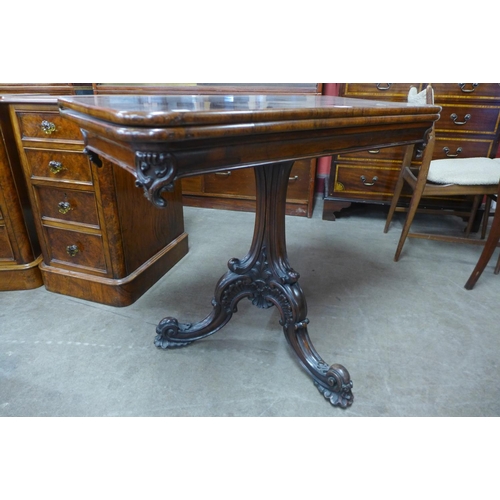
(155, 174)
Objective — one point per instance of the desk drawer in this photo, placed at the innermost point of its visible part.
(67, 205)
(59, 165)
(76, 248)
(50, 126)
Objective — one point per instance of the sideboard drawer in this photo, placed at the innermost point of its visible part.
(385, 91)
(480, 91)
(385, 154)
(462, 147)
(76, 248)
(192, 185)
(365, 182)
(67, 205)
(240, 182)
(50, 126)
(59, 165)
(299, 180)
(464, 118)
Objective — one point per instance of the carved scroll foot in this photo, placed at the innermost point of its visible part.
(339, 387)
(168, 334)
(333, 381)
(230, 289)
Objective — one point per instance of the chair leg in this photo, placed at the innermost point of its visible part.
(486, 216)
(394, 202)
(497, 267)
(399, 187)
(473, 213)
(489, 248)
(412, 210)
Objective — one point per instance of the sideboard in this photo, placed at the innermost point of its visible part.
(469, 126)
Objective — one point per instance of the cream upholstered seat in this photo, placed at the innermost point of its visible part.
(465, 171)
(448, 177)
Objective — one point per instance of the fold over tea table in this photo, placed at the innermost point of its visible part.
(160, 139)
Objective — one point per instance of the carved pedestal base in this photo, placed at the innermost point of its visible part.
(266, 278)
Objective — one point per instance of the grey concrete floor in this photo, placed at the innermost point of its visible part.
(415, 342)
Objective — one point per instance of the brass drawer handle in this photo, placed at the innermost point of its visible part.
(467, 91)
(379, 86)
(223, 174)
(447, 152)
(72, 250)
(293, 179)
(363, 180)
(374, 151)
(64, 207)
(48, 127)
(454, 117)
(55, 166)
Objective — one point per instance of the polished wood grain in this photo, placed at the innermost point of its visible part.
(160, 139)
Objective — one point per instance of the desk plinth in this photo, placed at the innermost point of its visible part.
(159, 139)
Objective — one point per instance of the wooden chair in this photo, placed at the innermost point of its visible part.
(449, 177)
(489, 248)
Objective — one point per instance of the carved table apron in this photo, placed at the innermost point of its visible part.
(159, 139)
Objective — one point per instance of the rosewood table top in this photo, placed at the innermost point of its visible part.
(160, 139)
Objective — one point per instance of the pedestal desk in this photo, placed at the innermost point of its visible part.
(160, 139)
(99, 238)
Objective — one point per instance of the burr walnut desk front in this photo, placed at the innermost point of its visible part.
(160, 139)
